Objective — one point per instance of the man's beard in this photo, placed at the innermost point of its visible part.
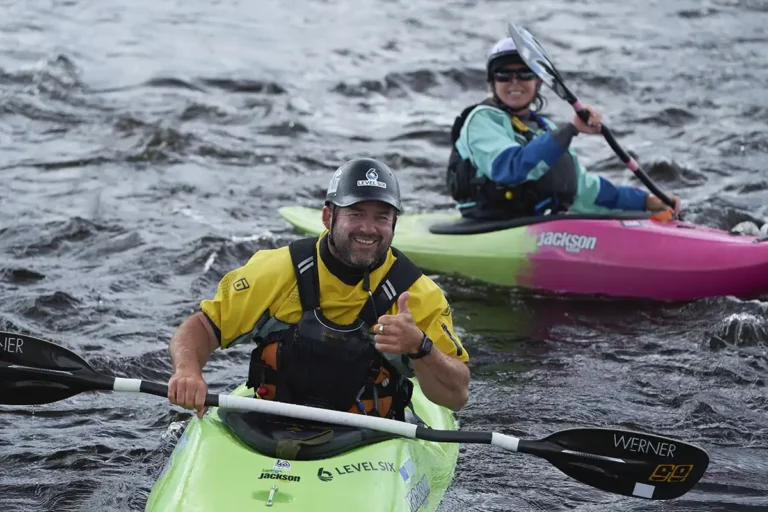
(351, 256)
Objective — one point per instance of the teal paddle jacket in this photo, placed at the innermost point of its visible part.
(497, 151)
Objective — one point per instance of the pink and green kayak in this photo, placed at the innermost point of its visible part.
(626, 255)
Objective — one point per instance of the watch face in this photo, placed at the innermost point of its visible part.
(424, 349)
(426, 346)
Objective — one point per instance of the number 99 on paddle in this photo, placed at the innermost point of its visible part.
(671, 473)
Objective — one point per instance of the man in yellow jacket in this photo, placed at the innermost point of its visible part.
(340, 321)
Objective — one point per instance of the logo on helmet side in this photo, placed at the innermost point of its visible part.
(333, 186)
(372, 180)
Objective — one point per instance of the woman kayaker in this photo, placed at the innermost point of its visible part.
(340, 321)
(509, 161)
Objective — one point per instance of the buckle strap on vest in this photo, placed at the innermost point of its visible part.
(260, 372)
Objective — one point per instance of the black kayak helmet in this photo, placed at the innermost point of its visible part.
(363, 179)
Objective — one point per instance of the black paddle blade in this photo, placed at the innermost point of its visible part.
(35, 371)
(25, 350)
(624, 462)
(18, 389)
(539, 62)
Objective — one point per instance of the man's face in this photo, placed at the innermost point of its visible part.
(362, 233)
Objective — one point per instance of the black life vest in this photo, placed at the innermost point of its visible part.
(323, 364)
(554, 191)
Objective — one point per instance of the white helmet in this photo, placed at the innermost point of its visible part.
(502, 53)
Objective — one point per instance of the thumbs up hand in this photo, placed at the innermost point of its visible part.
(402, 303)
(398, 334)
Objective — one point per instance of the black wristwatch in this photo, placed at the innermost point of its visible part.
(424, 349)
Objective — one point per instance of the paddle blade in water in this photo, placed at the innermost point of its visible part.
(35, 371)
(624, 462)
(19, 389)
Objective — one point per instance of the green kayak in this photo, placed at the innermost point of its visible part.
(244, 461)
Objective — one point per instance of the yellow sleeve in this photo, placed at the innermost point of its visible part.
(432, 314)
(245, 294)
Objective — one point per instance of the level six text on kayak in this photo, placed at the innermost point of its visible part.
(365, 466)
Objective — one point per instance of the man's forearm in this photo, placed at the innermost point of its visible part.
(192, 344)
(444, 379)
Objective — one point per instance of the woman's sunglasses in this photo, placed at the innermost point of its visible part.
(506, 75)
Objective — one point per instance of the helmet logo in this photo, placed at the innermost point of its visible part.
(334, 184)
(372, 180)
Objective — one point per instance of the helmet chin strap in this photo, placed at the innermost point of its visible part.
(330, 225)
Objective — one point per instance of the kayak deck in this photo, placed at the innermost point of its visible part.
(303, 466)
(625, 255)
